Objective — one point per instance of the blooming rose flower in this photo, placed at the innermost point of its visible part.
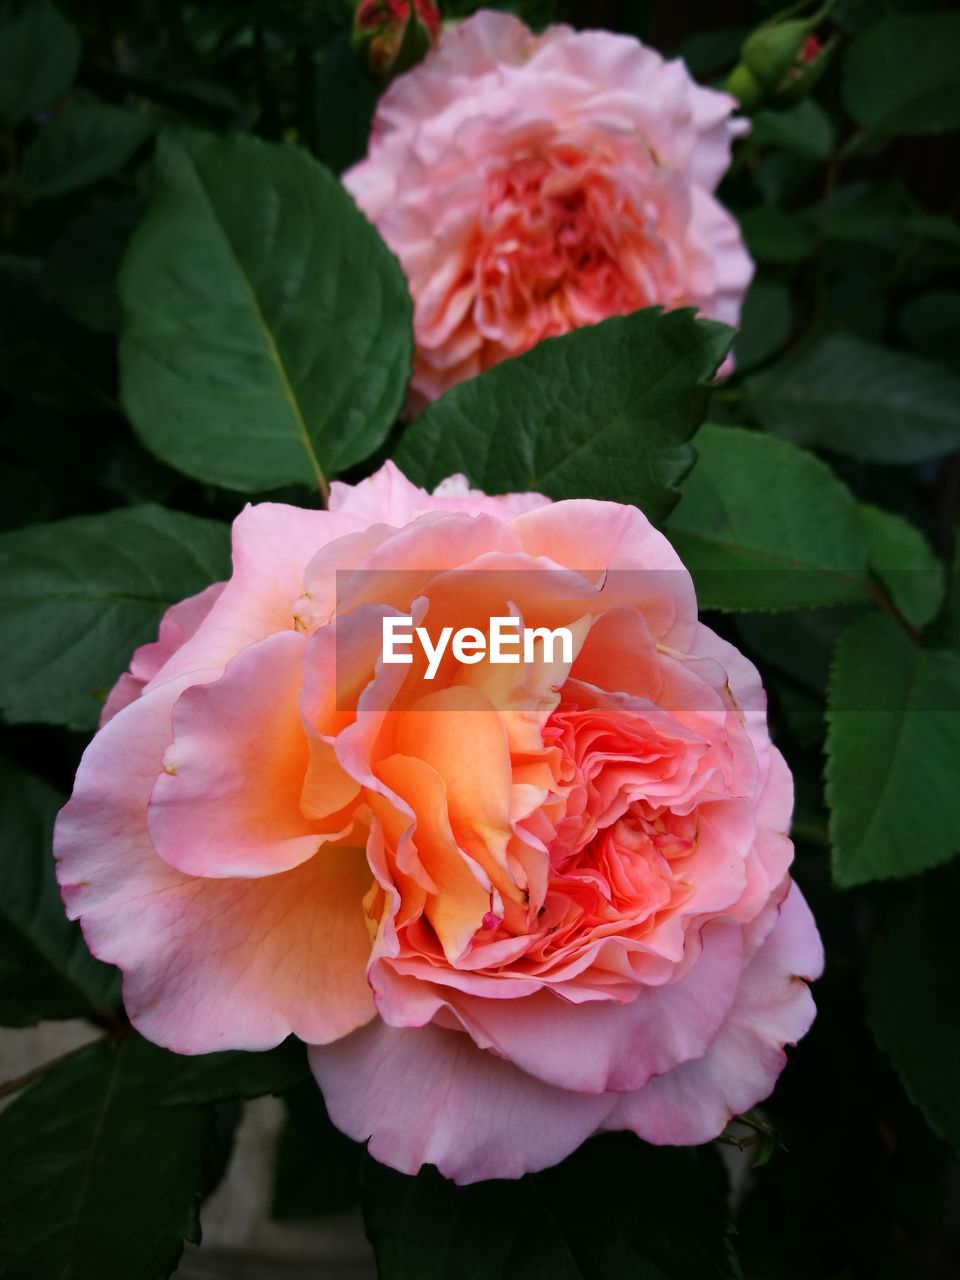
(506, 908)
(531, 184)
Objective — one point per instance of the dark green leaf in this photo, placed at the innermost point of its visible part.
(81, 270)
(212, 1077)
(705, 52)
(267, 339)
(96, 1182)
(81, 146)
(773, 236)
(901, 558)
(344, 101)
(805, 130)
(317, 1168)
(913, 1006)
(930, 323)
(946, 629)
(604, 412)
(799, 644)
(45, 359)
(856, 397)
(900, 76)
(77, 596)
(893, 754)
(39, 53)
(617, 1207)
(782, 177)
(884, 214)
(25, 497)
(763, 525)
(45, 968)
(765, 324)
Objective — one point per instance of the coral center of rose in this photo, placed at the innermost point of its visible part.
(558, 245)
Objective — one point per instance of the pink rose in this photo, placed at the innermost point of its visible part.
(507, 907)
(531, 184)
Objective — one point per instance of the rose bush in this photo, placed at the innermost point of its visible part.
(506, 908)
(531, 184)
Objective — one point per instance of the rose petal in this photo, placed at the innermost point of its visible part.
(430, 1096)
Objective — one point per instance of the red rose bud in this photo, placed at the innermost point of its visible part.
(780, 62)
(393, 35)
(811, 49)
(805, 72)
(770, 52)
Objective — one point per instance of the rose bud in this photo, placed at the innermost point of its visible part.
(780, 62)
(393, 35)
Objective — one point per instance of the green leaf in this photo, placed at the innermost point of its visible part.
(805, 130)
(81, 146)
(705, 52)
(946, 629)
(902, 559)
(765, 324)
(858, 398)
(45, 968)
(799, 644)
(617, 1207)
(344, 101)
(80, 273)
(912, 988)
(39, 55)
(930, 323)
(603, 412)
(213, 1077)
(78, 596)
(25, 496)
(763, 525)
(900, 76)
(773, 236)
(267, 339)
(317, 1168)
(45, 359)
(782, 178)
(893, 754)
(96, 1181)
(883, 214)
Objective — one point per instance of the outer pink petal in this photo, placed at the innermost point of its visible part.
(602, 1045)
(642, 569)
(725, 268)
(228, 800)
(744, 682)
(388, 497)
(176, 627)
(774, 1007)
(207, 964)
(127, 689)
(471, 50)
(430, 1096)
(272, 546)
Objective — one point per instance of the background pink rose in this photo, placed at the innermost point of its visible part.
(506, 908)
(531, 184)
